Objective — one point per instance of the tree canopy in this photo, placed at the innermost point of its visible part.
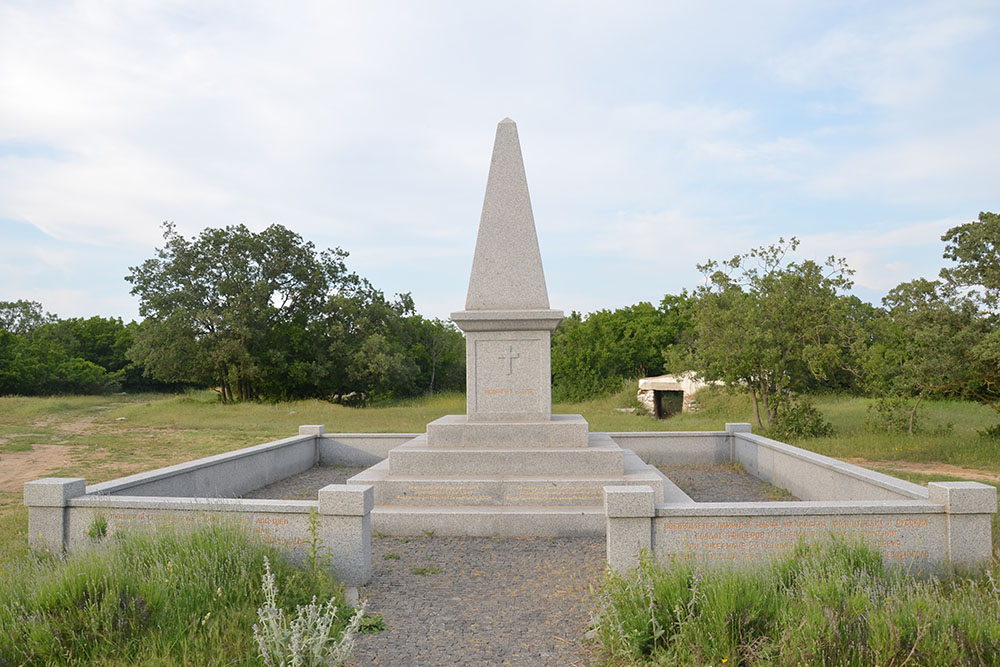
(767, 325)
(266, 315)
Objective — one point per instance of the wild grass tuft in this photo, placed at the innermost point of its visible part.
(826, 604)
(171, 597)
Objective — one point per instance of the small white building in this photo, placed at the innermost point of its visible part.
(666, 395)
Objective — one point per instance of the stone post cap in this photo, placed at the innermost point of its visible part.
(964, 497)
(311, 429)
(738, 427)
(53, 491)
(346, 499)
(629, 501)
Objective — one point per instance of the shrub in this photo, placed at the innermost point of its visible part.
(309, 639)
(797, 417)
(990, 433)
(891, 414)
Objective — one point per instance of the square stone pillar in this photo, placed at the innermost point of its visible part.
(508, 359)
(969, 506)
(345, 516)
(48, 510)
(630, 511)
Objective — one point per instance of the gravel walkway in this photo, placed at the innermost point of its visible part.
(486, 601)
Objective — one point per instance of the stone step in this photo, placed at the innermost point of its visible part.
(603, 457)
(453, 431)
(511, 491)
(488, 521)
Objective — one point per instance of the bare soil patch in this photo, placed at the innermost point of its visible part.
(932, 468)
(16, 468)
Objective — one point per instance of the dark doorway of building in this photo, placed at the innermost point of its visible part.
(668, 403)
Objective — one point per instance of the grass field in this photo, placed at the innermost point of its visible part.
(103, 437)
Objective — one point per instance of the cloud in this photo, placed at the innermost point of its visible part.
(894, 59)
(655, 135)
(884, 256)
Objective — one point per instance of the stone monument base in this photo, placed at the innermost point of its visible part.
(503, 478)
(458, 431)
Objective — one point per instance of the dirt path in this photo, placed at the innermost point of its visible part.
(933, 468)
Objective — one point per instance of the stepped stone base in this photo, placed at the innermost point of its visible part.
(457, 431)
(503, 478)
(601, 456)
(505, 491)
(489, 521)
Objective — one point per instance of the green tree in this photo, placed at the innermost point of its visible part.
(217, 305)
(928, 347)
(975, 249)
(21, 316)
(438, 349)
(769, 326)
(593, 355)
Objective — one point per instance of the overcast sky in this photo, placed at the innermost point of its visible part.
(655, 136)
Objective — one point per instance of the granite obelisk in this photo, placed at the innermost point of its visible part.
(507, 319)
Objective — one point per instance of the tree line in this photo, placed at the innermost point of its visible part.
(266, 316)
(256, 316)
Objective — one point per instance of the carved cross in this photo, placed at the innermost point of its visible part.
(509, 358)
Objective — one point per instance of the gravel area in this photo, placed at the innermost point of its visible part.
(481, 601)
(305, 485)
(723, 482)
(488, 601)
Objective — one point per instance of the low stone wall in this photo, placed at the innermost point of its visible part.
(945, 522)
(678, 447)
(359, 449)
(61, 511)
(61, 515)
(812, 476)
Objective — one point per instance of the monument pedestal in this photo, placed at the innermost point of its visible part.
(480, 478)
(459, 431)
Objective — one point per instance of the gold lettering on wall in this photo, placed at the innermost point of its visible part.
(751, 538)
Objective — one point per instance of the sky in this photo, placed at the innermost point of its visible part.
(656, 136)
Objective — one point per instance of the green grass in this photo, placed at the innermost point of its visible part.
(181, 598)
(110, 436)
(827, 604)
(113, 435)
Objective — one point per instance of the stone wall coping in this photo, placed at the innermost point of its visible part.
(401, 436)
(813, 507)
(667, 434)
(123, 483)
(199, 504)
(888, 482)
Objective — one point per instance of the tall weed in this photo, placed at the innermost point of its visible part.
(828, 604)
(185, 597)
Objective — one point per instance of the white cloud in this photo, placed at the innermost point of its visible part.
(895, 59)
(654, 133)
(884, 256)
